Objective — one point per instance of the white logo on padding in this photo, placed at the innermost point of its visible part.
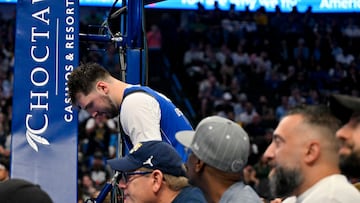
(32, 139)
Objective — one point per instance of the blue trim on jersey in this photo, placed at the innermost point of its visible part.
(172, 119)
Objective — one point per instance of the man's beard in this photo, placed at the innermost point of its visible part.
(285, 181)
(113, 110)
(350, 164)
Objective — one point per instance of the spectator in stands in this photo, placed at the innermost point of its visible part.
(223, 53)
(227, 72)
(262, 169)
(19, 190)
(4, 168)
(99, 172)
(209, 92)
(250, 177)
(194, 55)
(87, 187)
(225, 108)
(351, 29)
(301, 51)
(153, 37)
(345, 57)
(282, 108)
(304, 150)
(337, 75)
(240, 56)
(219, 150)
(295, 98)
(266, 110)
(352, 79)
(98, 131)
(347, 109)
(5, 135)
(154, 172)
(247, 116)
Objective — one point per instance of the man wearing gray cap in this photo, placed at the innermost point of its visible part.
(219, 151)
(347, 109)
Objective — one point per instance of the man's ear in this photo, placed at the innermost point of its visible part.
(157, 178)
(102, 86)
(312, 152)
(199, 166)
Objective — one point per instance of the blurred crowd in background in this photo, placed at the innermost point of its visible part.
(248, 66)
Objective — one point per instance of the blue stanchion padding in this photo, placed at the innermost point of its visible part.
(44, 125)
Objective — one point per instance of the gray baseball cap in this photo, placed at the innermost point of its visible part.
(219, 142)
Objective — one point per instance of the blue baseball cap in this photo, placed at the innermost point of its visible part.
(152, 155)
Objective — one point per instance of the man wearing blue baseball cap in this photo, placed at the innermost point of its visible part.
(219, 151)
(154, 172)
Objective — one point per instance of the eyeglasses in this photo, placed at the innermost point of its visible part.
(125, 176)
